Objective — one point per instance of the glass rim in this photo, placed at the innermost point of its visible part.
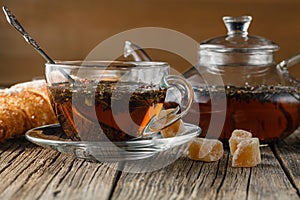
(102, 64)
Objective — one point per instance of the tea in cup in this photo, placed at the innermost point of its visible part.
(115, 100)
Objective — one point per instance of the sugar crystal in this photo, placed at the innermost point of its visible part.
(236, 137)
(207, 150)
(247, 153)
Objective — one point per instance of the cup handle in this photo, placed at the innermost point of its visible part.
(158, 123)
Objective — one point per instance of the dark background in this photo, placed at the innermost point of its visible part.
(69, 30)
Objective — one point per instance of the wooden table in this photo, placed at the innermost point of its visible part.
(31, 172)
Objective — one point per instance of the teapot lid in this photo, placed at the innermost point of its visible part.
(237, 38)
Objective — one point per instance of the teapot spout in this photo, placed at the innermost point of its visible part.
(138, 53)
(283, 67)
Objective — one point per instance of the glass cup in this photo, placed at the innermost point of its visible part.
(115, 100)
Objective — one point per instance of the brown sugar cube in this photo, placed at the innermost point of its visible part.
(173, 129)
(247, 153)
(207, 150)
(236, 137)
(241, 133)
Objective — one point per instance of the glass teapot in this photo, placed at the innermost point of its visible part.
(238, 85)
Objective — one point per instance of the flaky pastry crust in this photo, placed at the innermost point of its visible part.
(24, 106)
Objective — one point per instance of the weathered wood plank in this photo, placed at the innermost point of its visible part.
(31, 172)
(185, 179)
(288, 154)
(268, 180)
(179, 180)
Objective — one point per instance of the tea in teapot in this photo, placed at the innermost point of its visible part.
(237, 85)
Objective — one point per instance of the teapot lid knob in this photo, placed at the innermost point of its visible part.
(237, 25)
(237, 40)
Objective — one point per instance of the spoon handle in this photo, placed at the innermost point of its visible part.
(12, 20)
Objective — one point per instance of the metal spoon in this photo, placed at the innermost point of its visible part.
(12, 20)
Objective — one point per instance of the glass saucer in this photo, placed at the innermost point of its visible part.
(52, 136)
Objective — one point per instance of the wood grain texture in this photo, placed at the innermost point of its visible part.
(185, 179)
(31, 172)
(287, 152)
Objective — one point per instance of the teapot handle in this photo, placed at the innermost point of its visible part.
(283, 66)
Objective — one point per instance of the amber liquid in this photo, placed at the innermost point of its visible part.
(270, 113)
(104, 112)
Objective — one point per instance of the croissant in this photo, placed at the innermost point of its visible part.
(24, 106)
